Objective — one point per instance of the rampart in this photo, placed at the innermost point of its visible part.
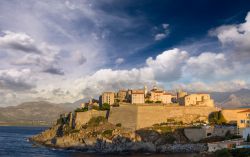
(83, 117)
(145, 115)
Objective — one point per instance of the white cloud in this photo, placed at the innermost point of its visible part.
(119, 60)
(28, 52)
(166, 67)
(160, 36)
(220, 86)
(236, 39)
(163, 34)
(207, 66)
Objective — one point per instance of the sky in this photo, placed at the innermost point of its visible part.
(66, 50)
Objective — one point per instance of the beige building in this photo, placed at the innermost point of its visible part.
(167, 98)
(195, 100)
(108, 97)
(122, 95)
(137, 96)
(160, 95)
(156, 95)
(243, 120)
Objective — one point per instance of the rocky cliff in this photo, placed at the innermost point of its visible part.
(99, 135)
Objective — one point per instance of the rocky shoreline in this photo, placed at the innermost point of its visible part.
(102, 137)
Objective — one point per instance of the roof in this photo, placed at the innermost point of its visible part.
(108, 93)
(167, 93)
(137, 91)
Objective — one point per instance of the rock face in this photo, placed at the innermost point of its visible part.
(100, 136)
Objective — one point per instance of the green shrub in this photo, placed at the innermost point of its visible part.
(84, 109)
(158, 102)
(149, 101)
(96, 108)
(105, 106)
(216, 118)
(107, 133)
(95, 121)
(118, 125)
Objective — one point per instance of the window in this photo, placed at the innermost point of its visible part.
(242, 121)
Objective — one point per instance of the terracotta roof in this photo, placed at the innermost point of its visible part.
(248, 110)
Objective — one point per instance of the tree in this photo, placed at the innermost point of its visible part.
(216, 118)
(105, 106)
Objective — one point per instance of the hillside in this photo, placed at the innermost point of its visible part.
(32, 112)
(240, 98)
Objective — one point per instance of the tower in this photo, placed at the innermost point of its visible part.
(145, 90)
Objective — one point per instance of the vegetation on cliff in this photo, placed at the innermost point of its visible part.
(217, 118)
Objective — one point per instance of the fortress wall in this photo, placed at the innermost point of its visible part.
(83, 117)
(151, 114)
(140, 116)
(231, 114)
(124, 114)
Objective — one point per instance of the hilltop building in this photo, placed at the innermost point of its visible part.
(137, 97)
(158, 95)
(122, 95)
(199, 99)
(243, 123)
(107, 97)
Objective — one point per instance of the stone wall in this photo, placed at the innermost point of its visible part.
(145, 115)
(83, 117)
(124, 114)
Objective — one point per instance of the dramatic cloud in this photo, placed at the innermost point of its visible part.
(18, 41)
(236, 39)
(166, 67)
(15, 80)
(64, 50)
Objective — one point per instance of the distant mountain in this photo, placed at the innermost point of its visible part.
(41, 112)
(240, 98)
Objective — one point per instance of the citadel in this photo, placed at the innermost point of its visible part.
(139, 108)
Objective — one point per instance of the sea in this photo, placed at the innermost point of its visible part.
(14, 143)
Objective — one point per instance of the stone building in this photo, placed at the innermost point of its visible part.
(121, 95)
(167, 98)
(137, 97)
(243, 120)
(158, 95)
(199, 99)
(108, 97)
